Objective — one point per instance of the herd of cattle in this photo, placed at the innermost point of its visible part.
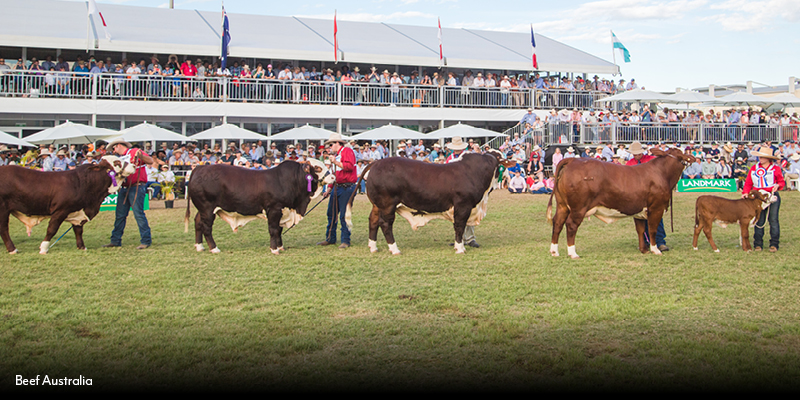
(417, 191)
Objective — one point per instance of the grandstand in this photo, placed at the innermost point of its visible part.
(36, 29)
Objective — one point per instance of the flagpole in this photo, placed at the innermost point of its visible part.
(613, 53)
(87, 31)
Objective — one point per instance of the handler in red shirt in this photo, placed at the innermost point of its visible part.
(131, 194)
(639, 157)
(344, 165)
(766, 175)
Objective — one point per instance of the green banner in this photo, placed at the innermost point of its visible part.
(707, 185)
(110, 203)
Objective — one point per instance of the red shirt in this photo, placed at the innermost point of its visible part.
(188, 69)
(140, 176)
(759, 177)
(645, 158)
(347, 173)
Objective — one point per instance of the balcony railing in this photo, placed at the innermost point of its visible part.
(72, 85)
(622, 132)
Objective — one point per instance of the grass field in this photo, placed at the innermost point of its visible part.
(506, 316)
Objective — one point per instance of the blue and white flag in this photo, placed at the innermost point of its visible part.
(618, 45)
(226, 38)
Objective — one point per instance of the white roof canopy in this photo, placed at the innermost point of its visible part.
(62, 25)
(227, 132)
(70, 133)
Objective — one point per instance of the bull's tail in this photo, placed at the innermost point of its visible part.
(348, 214)
(188, 211)
(556, 175)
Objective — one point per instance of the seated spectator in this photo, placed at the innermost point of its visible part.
(539, 186)
(708, 169)
(517, 183)
(165, 176)
(693, 171)
(723, 169)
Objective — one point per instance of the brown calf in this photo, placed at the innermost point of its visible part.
(744, 211)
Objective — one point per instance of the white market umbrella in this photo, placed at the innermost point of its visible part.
(740, 99)
(306, 132)
(689, 96)
(148, 133)
(5, 138)
(785, 100)
(389, 132)
(635, 95)
(70, 133)
(464, 131)
(227, 132)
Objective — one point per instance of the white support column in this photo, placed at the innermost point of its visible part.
(749, 87)
(792, 82)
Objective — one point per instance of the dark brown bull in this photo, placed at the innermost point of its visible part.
(746, 211)
(238, 195)
(586, 186)
(420, 192)
(74, 196)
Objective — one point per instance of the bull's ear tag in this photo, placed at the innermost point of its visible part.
(309, 178)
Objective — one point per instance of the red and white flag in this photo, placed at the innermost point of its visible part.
(533, 44)
(93, 10)
(441, 54)
(335, 40)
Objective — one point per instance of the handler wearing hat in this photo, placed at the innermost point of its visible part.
(458, 146)
(639, 157)
(343, 162)
(766, 175)
(131, 194)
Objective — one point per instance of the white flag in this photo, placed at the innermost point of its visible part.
(93, 10)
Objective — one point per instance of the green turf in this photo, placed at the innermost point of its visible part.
(507, 316)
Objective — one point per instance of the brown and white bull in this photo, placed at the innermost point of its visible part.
(238, 195)
(586, 187)
(420, 192)
(744, 211)
(74, 196)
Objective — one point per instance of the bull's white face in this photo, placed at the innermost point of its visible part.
(323, 173)
(121, 165)
(767, 198)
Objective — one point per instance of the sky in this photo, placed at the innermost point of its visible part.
(673, 44)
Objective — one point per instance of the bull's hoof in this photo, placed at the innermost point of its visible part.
(393, 248)
(575, 257)
(281, 249)
(13, 252)
(42, 251)
(199, 247)
(275, 251)
(215, 250)
(694, 248)
(554, 249)
(716, 251)
(373, 246)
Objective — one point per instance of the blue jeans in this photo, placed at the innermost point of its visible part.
(769, 215)
(661, 234)
(337, 207)
(125, 198)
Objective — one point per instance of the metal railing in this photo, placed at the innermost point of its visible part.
(80, 85)
(617, 132)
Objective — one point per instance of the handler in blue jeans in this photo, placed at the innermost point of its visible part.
(343, 162)
(131, 194)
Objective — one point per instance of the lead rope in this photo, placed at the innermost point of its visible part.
(766, 210)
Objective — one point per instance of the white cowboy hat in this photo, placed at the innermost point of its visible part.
(795, 157)
(766, 152)
(45, 152)
(118, 141)
(335, 137)
(571, 149)
(457, 144)
(636, 148)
